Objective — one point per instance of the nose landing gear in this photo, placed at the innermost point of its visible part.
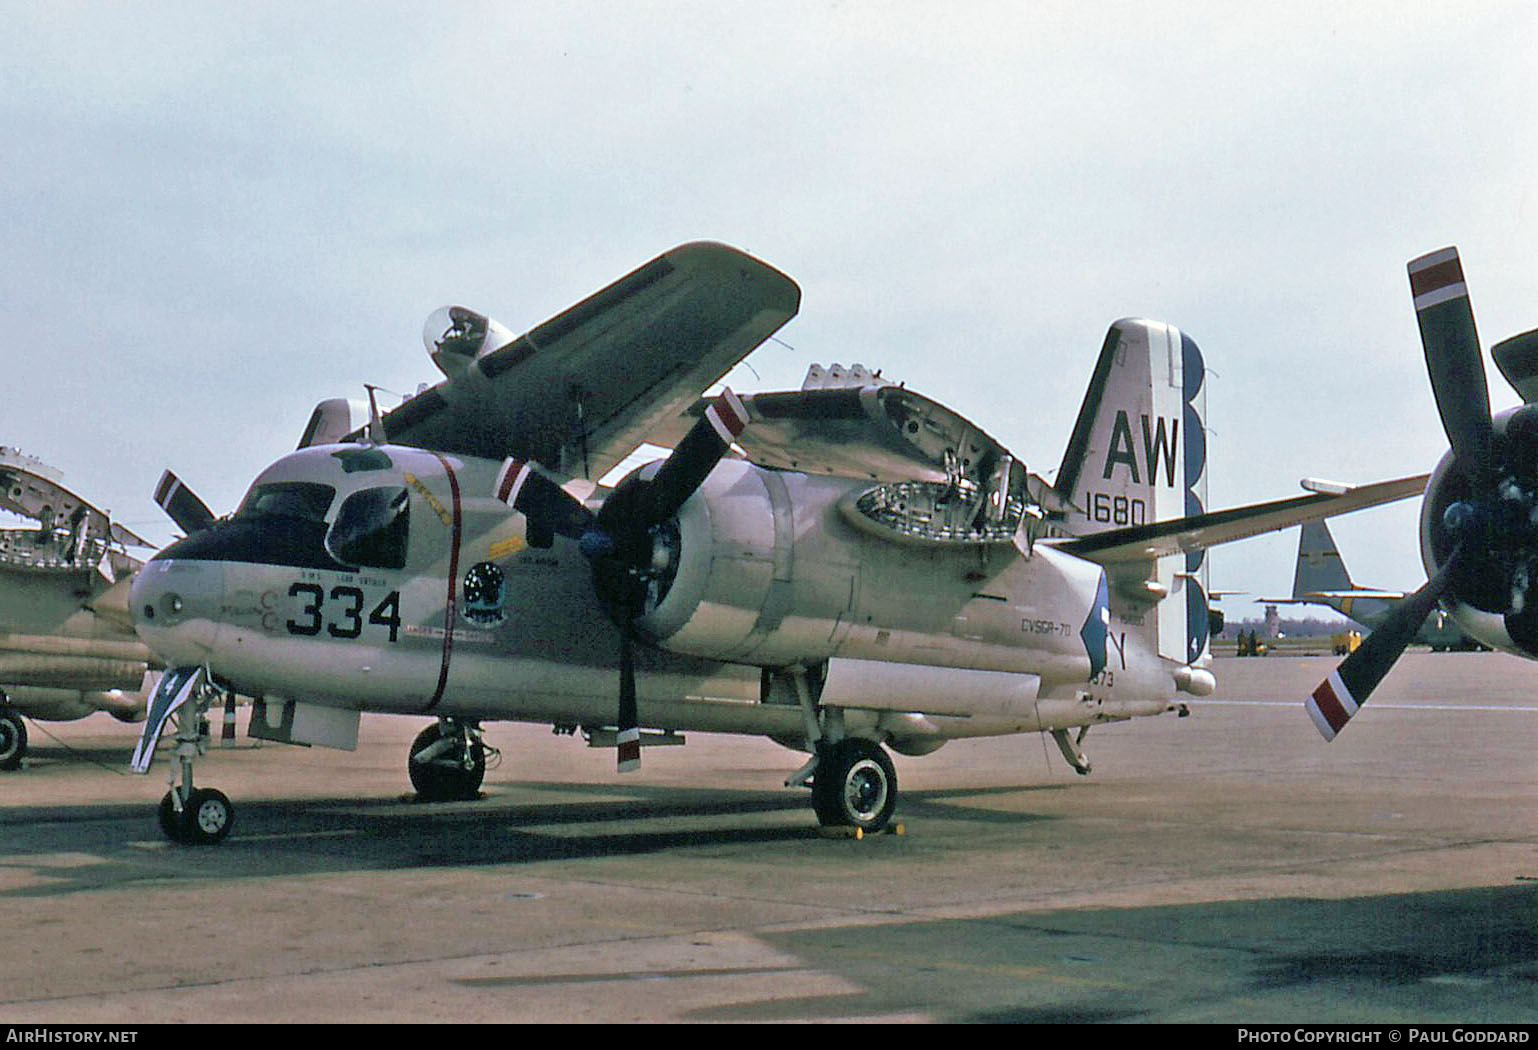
(448, 761)
(188, 815)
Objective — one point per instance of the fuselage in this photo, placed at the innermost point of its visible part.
(390, 579)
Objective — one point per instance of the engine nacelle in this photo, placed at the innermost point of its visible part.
(456, 337)
(66, 705)
(1494, 596)
(763, 567)
(734, 576)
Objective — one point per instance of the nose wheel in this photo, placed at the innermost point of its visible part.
(448, 761)
(203, 819)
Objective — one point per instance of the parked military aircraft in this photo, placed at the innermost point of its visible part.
(844, 568)
(1479, 516)
(67, 645)
(1321, 579)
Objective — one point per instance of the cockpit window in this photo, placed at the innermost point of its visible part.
(289, 499)
(371, 529)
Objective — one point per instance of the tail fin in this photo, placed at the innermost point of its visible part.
(1138, 455)
(1320, 567)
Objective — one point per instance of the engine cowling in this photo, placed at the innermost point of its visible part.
(734, 573)
(1494, 595)
(763, 567)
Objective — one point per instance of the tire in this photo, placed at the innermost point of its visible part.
(855, 786)
(207, 818)
(445, 781)
(13, 739)
(170, 819)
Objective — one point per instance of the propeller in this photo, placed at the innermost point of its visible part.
(1453, 357)
(182, 505)
(623, 541)
(1341, 694)
(1468, 530)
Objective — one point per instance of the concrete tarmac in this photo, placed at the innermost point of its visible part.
(1226, 867)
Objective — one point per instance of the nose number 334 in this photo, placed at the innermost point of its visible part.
(339, 612)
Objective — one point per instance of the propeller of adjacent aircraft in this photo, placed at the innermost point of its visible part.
(620, 539)
(1483, 532)
(182, 505)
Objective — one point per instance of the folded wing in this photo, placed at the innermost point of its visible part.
(581, 391)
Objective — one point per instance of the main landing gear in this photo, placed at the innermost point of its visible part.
(13, 736)
(853, 782)
(448, 761)
(854, 785)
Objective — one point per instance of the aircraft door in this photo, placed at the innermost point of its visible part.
(402, 533)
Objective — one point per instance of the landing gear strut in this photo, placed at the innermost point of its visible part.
(448, 761)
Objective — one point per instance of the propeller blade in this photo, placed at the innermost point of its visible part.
(182, 505)
(628, 723)
(694, 458)
(1347, 688)
(541, 499)
(1453, 356)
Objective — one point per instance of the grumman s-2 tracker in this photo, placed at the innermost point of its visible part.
(846, 568)
(67, 644)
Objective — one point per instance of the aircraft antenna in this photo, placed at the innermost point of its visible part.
(376, 431)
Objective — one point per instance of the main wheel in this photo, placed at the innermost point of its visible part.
(446, 778)
(855, 786)
(13, 739)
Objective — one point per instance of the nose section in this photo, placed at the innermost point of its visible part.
(176, 608)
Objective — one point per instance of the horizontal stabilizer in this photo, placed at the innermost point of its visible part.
(1200, 531)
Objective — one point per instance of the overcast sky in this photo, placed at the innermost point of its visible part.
(214, 218)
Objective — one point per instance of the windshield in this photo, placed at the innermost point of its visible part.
(288, 499)
(372, 528)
